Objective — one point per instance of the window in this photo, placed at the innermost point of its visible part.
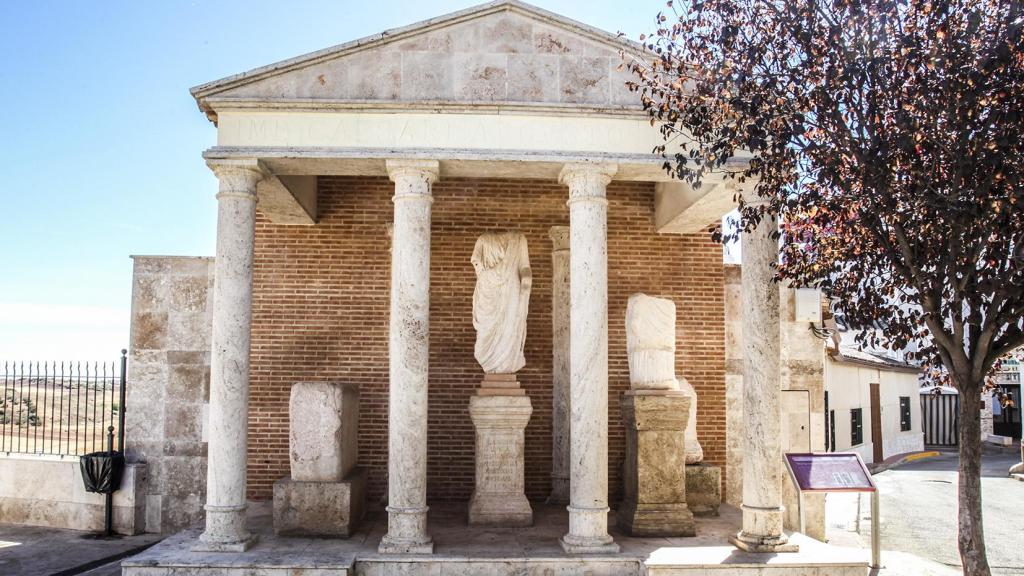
(856, 426)
(904, 413)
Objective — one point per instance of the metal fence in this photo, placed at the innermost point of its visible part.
(62, 408)
(941, 419)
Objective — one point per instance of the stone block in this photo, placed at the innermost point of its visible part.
(327, 509)
(655, 502)
(532, 77)
(499, 497)
(481, 76)
(583, 79)
(703, 489)
(324, 420)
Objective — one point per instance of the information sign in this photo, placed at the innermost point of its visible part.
(830, 472)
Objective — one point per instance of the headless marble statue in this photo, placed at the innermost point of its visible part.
(651, 344)
(501, 301)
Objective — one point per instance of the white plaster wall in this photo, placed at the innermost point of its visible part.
(48, 491)
(849, 387)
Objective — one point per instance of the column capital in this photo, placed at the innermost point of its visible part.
(426, 169)
(238, 178)
(559, 238)
(600, 172)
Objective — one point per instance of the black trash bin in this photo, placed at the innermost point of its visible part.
(102, 471)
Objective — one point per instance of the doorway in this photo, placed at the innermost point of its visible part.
(876, 423)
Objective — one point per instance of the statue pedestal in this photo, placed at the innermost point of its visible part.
(655, 467)
(500, 419)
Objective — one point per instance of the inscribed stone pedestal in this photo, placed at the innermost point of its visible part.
(326, 492)
(498, 497)
(654, 502)
(323, 437)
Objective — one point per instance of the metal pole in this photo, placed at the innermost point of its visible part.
(876, 534)
(109, 522)
(120, 406)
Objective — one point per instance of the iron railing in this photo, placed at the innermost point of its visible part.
(62, 408)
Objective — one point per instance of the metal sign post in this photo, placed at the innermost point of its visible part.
(836, 472)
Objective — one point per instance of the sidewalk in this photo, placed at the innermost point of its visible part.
(41, 551)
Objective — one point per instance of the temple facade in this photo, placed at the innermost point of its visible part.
(354, 183)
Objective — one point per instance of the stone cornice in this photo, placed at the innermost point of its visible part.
(226, 104)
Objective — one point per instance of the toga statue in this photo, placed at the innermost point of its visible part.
(651, 345)
(501, 300)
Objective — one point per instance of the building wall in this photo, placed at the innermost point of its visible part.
(168, 385)
(849, 387)
(321, 302)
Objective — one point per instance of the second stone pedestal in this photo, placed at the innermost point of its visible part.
(655, 467)
(499, 497)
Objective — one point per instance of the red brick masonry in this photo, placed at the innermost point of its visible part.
(320, 312)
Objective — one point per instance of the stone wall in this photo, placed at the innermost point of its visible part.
(168, 385)
(320, 312)
(803, 399)
(48, 491)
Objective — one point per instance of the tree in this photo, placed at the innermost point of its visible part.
(887, 138)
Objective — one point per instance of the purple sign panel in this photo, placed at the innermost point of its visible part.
(830, 472)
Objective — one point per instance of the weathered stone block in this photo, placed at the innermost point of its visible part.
(703, 489)
(499, 498)
(655, 502)
(331, 509)
(324, 419)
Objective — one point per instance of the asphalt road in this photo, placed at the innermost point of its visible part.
(919, 511)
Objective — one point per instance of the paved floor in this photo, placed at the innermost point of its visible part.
(460, 549)
(919, 511)
(39, 551)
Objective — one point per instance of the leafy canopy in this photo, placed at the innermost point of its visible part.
(885, 136)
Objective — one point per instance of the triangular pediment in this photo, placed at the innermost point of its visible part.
(502, 52)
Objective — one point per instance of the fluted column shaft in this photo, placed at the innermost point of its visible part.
(229, 358)
(762, 407)
(408, 349)
(560, 374)
(588, 357)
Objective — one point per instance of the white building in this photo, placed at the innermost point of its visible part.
(873, 406)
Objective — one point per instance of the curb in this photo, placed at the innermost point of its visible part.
(900, 459)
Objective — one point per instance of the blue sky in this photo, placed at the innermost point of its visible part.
(101, 141)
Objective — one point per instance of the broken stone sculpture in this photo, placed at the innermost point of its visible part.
(501, 301)
(651, 345)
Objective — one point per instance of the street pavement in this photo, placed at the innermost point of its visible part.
(919, 515)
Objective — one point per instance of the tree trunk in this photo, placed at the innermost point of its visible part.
(971, 539)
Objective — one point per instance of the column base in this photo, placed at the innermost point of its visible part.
(407, 532)
(397, 546)
(240, 546)
(762, 544)
(576, 545)
(225, 530)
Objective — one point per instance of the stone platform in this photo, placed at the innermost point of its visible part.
(463, 551)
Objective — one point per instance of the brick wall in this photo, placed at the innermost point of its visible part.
(320, 312)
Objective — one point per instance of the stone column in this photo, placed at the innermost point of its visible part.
(560, 365)
(229, 358)
(408, 350)
(762, 403)
(588, 357)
